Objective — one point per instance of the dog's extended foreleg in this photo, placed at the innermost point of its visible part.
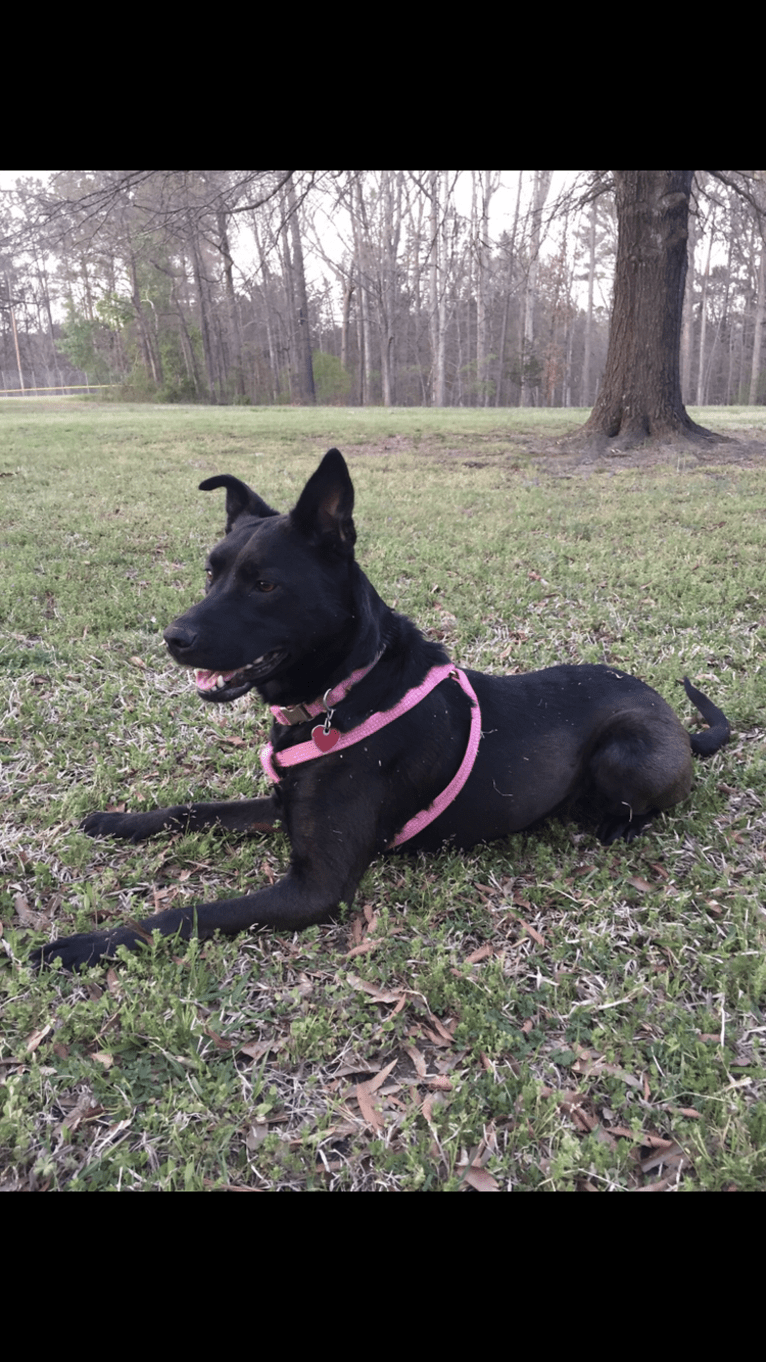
(330, 855)
(289, 905)
(242, 815)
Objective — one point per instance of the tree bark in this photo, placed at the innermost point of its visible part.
(586, 389)
(234, 338)
(542, 185)
(304, 368)
(507, 304)
(687, 329)
(760, 314)
(438, 303)
(640, 396)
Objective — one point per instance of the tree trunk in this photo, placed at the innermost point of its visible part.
(361, 247)
(586, 365)
(390, 194)
(687, 328)
(701, 372)
(348, 293)
(438, 307)
(152, 363)
(304, 367)
(542, 185)
(267, 293)
(204, 314)
(640, 394)
(760, 313)
(508, 287)
(235, 376)
(487, 187)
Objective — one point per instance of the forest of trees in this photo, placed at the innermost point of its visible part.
(358, 287)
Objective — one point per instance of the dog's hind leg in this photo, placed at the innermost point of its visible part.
(638, 769)
(240, 815)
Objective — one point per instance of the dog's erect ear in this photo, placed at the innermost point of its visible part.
(240, 499)
(326, 505)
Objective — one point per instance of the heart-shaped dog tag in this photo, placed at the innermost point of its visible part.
(324, 741)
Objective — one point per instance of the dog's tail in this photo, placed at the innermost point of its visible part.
(719, 732)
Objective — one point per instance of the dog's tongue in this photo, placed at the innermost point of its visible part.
(209, 680)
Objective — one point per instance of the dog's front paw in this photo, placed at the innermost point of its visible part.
(106, 824)
(132, 827)
(75, 952)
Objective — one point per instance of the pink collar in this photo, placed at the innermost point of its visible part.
(298, 714)
(325, 739)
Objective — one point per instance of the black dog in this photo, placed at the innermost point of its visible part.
(377, 737)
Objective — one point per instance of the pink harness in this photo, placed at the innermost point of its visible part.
(336, 742)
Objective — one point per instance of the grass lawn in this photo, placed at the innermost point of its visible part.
(543, 1013)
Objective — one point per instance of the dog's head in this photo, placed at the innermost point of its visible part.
(278, 599)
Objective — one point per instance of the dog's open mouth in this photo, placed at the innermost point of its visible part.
(229, 685)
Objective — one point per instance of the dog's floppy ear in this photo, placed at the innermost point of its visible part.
(326, 505)
(240, 499)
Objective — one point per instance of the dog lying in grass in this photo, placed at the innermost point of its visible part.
(378, 740)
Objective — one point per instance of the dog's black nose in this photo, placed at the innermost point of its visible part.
(179, 639)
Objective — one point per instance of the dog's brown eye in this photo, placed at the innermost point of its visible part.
(264, 586)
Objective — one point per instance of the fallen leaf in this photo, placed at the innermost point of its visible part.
(535, 935)
(485, 889)
(655, 1141)
(442, 1030)
(417, 1059)
(380, 995)
(669, 1157)
(220, 1041)
(381, 1077)
(362, 948)
(255, 1136)
(481, 1180)
(256, 1049)
(27, 916)
(38, 1036)
(588, 1067)
(370, 1112)
(477, 955)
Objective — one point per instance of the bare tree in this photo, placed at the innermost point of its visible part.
(760, 318)
(687, 330)
(439, 192)
(304, 369)
(542, 187)
(509, 265)
(487, 184)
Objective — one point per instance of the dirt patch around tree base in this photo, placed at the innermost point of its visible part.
(565, 457)
(566, 460)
